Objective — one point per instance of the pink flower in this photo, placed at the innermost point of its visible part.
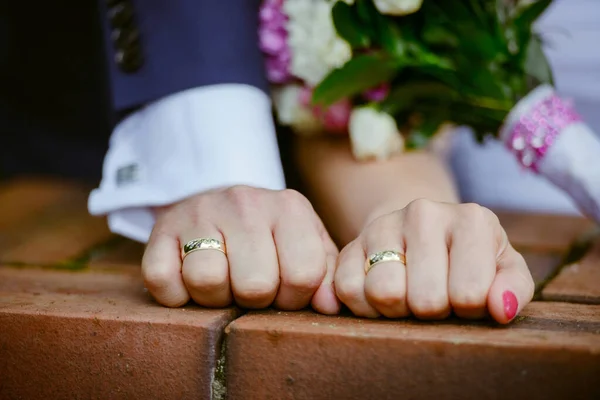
(273, 41)
(270, 13)
(306, 96)
(334, 118)
(378, 93)
(277, 70)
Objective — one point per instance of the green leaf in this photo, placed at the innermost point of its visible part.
(366, 10)
(477, 10)
(502, 10)
(482, 82)
(361, 73)
(536, 63)
(529, 14)
(390, 36)
(476, 39)
(404, 97)
(384, 31)
(348, 26)
(522, 25)
(439, 35)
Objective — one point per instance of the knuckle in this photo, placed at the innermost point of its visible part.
(346, 252)
(420, 206)
(388, 295)
(471, 212)
(490, 216)
(206, 280)
(349, 291)
(307, 279)
(242, 196)
(246, 202)
(163, 230)
(468, 298)
(156, 279)
(385, 225)
(292, 196)
(422, 214)
(255, 290)
(189, 212)
(293, 203)
(428, 305)
(174, 302)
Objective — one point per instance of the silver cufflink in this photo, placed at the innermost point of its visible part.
(128, 174)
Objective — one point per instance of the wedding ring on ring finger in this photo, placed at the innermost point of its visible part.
(202, 244)
(384, 256)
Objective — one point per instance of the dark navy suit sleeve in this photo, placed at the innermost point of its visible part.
(160, 47)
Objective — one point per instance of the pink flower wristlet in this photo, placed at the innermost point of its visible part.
(531, 133)
(548, 137)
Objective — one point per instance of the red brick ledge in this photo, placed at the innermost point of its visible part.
(98, 335)
(551, 352)
(93, 332)
(66, 335)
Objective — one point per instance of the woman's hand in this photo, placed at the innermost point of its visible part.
(458, 259)
(278, 252)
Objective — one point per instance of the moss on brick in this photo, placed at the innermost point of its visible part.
(219, 381)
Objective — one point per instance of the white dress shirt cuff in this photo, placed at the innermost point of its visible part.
(184, 144)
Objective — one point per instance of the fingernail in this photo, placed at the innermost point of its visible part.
(511, 304)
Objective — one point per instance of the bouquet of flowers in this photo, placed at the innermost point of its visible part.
(391, 73)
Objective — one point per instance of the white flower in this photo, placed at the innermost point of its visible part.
(398, 7)
(374, 134)
(316, 47)
(291, 112)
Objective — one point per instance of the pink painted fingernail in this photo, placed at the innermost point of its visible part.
(511, 304)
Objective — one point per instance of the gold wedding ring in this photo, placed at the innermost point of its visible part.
(384, 256)
(203, 244)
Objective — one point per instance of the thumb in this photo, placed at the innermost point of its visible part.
(325, 300)
(512, 288)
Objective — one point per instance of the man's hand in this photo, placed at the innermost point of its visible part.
(278, 252)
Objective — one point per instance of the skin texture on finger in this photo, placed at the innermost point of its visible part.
(325, 300)
(161, 270)
(385, 289)
(512, 288)
(246, 219)
(253, 265)
(385, 283)
(350, 280)
(473, 249)
(302, 259)
(425, 229)
(206, 272)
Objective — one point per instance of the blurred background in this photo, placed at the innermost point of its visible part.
(54, 101)
(55, 114)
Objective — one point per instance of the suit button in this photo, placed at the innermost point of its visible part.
(125, 38)
(124, 35)
(129, 60)
(121, 14)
